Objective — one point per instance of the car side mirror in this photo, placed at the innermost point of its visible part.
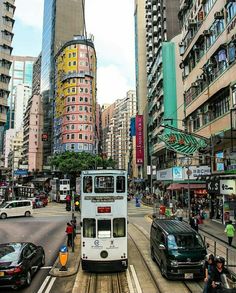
(161, 247)
(81, 224)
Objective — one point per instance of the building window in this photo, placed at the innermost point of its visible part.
(74, 54)
(69, 55)
(69, 64)
(80, 136)
(86, 90)
(73, 117)
(68, 100)
(234, 95)
(72, 146)
(72, 136)
(86, 99)
(73, 108)
(67, 136)
(68, 109)
(81, 90)
(73, 99)
(72, 126)
(80, 108)
(220, 107)
(74, 62)
(81, 99)
(73, 90)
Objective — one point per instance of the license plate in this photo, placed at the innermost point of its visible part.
(1, 274)
(188, 276)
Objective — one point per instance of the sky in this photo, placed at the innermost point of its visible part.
(112, 24)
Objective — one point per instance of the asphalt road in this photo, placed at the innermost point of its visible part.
(45, 228)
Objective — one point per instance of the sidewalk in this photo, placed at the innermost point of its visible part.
(72, 264)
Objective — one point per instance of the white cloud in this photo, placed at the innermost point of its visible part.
(111, 84)
(112, 24)
(30, 12)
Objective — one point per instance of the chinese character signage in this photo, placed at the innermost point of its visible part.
(44, 137)
(139, 140)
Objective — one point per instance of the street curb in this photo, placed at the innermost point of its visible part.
(55, 271)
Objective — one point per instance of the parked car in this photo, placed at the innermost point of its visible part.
(178, 249)
(19, 261)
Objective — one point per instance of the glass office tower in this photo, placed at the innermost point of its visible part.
(62, 20)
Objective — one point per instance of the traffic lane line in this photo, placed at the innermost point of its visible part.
(43, 286)
(53, 279)
(136, 281)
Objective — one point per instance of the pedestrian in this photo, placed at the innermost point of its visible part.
(209, 266)
(193, 221)
(179, 213)
(229, 230)
(69, 232)
(73, 224)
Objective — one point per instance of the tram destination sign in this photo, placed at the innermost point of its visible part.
(103, 198)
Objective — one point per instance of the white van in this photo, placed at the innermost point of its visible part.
(16, 208)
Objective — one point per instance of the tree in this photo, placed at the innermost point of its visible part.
(73, 163)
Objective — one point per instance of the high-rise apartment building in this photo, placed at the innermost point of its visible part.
(62, 20)
(33, 125)
(106, 119)
(162, 26)
(7, 9)
(117, 139)
(75, 123)
(208, 49)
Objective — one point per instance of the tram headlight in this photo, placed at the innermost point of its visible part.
(104, 254)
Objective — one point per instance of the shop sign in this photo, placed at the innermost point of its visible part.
(213, 186)
(227, 187)
(177, 173)
(139, 140)
(165, 174)
(198, 171)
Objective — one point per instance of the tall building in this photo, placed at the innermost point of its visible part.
(141, 24)
(7, 9)
(162, 27)
(208, 49)
(22, 94)
(62, 20)
(32, 159)
(75, 125)
(116, 143)
(21, 72)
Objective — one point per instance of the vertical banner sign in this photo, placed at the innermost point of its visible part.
(139, 140)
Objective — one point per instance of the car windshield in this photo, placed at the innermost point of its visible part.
(2, 205)
(9, 252)
(185, 241)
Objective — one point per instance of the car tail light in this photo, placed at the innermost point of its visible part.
(15, 270)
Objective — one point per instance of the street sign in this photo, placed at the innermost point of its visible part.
(182, 143)
(213, 186)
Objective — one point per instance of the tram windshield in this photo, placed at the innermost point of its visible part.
(104, 184)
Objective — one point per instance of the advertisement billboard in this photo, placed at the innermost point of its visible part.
(139, 140)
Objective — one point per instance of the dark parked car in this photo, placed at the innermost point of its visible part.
(19, 261)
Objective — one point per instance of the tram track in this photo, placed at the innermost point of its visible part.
(105, 283)
(162, 284)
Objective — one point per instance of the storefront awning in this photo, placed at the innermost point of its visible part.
(179, 186)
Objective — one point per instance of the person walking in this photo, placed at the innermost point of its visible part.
(229, 230)
(194, 222)
(179, 213)
(69, 232)
(208, 269)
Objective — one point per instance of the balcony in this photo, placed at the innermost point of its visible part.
(3, 118)
(3, 102)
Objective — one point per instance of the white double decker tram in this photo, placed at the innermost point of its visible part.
(104, 220)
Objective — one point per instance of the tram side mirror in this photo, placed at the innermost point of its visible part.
(81, 224)
(207, 245)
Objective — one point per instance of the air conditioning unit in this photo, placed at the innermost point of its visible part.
(192, 22)
(207, 32)
(194, 84)
(219, 15)
(200, 77)
(199, 111)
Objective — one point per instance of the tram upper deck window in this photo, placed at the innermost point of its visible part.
(119, 227)
(120, 184)
(87, 184)
(104, 228)
(104, 184)
(89, 228)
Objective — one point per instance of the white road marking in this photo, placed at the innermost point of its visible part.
(44, 284)
(45, 268)
(130, 285)
(139, 290)
(53, 279)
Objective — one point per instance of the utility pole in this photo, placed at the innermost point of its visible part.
(73, 218)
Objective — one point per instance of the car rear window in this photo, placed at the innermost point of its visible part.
(9, 252)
